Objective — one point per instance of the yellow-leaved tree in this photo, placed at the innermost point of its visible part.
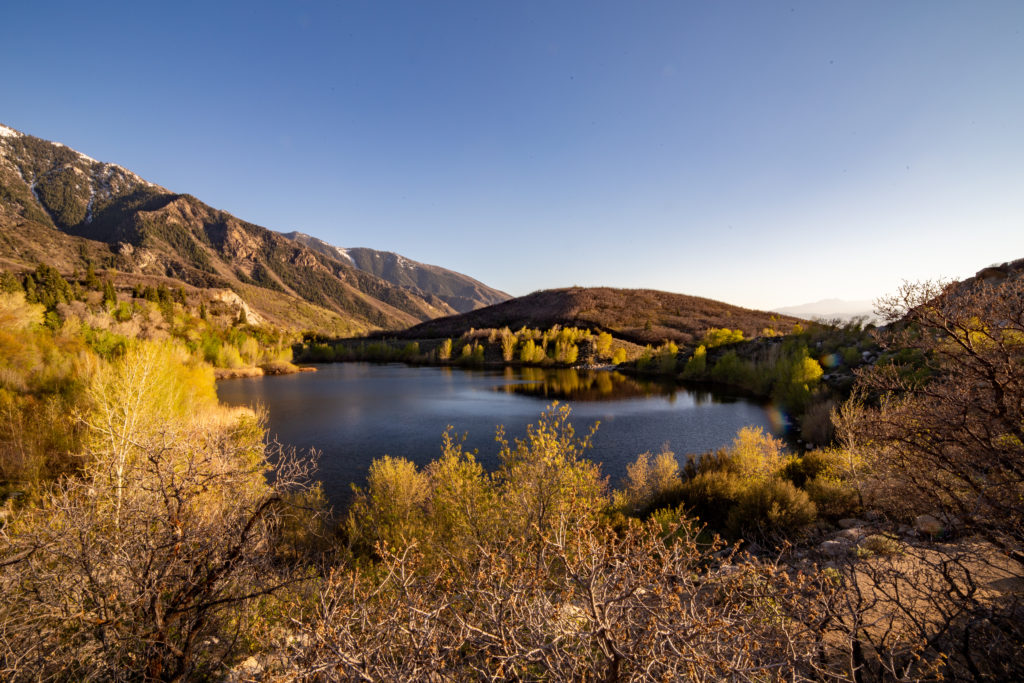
(149, 562)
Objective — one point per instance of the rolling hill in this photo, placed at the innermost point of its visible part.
(642, 316)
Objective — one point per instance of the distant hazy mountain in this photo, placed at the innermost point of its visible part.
(643, 316)
(459, 291)
(60, 207)
(831, 308)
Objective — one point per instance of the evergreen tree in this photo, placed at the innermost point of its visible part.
(30, 289)
(9, 282)
(109, 293)
(91, 281)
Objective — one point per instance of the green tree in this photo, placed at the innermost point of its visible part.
(91, 281)
(697, 364)
(109, 293)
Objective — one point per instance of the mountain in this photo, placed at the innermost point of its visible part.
(459, 291)
(642, 316)
(64, 208)
(829, 309)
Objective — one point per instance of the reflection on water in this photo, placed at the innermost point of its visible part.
(355, 412)
(569, 384)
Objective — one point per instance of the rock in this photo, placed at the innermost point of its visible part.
(852, 534)
(249, 668)
(231, 299)
(833, 548)
(850, 522)
(929, 525)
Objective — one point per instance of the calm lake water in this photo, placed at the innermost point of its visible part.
(355, 412)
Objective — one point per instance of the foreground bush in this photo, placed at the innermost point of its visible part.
(579, 603)
(147, 564)
(544, 482)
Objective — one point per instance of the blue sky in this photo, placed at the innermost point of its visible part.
(761, 153)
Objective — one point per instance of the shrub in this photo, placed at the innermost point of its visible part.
(730, 369)
(544, 480)
(651, 482)
(770, 508)
(757, 455)
(709, 496)
(229, 357)
(721, 336)
(696, 365)
(880, 544)
(390, 510)
(16, 313)
(816, 423)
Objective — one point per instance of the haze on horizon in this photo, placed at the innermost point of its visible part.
(763, 154)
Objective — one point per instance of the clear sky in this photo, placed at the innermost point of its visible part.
(762, 153)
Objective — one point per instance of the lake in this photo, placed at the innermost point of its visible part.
(355, 412)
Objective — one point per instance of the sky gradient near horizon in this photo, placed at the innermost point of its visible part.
(764, 154)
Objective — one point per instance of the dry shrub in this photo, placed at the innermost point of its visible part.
(579, 604)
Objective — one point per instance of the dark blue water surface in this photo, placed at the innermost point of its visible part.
(355, 412)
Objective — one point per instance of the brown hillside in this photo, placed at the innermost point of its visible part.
(60, 207)
(643, 316)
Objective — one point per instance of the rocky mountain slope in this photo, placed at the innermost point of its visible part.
(642, 316)
(63, 208)
(459, 291)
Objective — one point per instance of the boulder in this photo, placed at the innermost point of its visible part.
(850, 522)
(833, 548)
(929, 525)
(853, 534)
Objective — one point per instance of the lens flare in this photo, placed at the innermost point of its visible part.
(831, 360)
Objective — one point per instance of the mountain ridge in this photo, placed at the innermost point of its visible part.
(64, 208)
(457, 290)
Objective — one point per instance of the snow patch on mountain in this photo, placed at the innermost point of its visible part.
(6, 132)
(343, 253)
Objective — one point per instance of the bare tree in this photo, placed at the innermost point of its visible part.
(937, 428)
(948, 432)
